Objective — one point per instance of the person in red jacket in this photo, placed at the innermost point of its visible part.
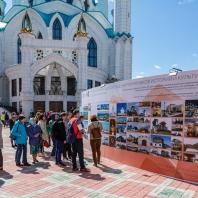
(77, 146)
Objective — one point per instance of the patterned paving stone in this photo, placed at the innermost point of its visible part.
(110, 180)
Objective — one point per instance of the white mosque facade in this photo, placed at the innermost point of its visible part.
(52, 50)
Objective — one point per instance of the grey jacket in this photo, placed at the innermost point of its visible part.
(1, 136)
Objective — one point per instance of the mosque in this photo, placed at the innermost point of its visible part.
(52, 50)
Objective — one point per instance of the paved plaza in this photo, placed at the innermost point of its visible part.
(111, 180)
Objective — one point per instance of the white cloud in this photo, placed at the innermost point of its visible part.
(182, 2)
(157, 67)
(139, 76)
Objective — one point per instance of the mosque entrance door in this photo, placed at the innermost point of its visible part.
(39, 106)
(56, 106)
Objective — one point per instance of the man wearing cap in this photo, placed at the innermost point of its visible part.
(20, 135)
(77, 145)
(59, 134)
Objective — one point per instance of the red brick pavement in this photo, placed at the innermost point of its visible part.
(111, 180)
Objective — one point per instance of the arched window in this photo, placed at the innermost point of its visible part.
(40, 36)
(19, 51)
(92, 53)
(57, 30)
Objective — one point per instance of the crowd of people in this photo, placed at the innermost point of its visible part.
(63, 132)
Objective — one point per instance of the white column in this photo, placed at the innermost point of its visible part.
(65, 95)
(81, 44)
(46, 101)
(122, 16)
(27, 93)
(65, 101)
(118, 57)
(128, 59)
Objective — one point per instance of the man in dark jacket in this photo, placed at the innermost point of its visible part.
(11, 123)
(59, 134)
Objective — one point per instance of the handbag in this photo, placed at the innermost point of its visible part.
(46, 144)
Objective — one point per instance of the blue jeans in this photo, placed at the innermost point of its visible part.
(21, 148)
(59, 150)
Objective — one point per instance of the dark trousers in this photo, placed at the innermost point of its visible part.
(12, 142)
(1, 159)
(67, 150)
(96, 153)
(21, 148)
(59, 150)
(77, 148)
(53, 148)
(4, 122)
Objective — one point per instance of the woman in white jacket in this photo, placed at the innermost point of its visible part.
(45, 136)
(1, 146)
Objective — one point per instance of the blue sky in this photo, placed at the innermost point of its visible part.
(165, 34)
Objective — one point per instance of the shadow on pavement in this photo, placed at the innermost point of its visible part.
(91, 176)
(34, 168)
(107, 169)
(4, 176)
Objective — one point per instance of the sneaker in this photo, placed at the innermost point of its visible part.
(62, 164)
(19, 164)
(26, 164)
(75, 169)
(85, 170)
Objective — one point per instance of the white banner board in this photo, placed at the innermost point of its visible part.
(156, 115)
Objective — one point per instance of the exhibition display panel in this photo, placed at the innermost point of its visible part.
(156, 116)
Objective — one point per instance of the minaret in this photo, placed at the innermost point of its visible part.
(122, 16)
(2, 9)
(26, 37)
(123, 39)
(81, 41)
(102, 6)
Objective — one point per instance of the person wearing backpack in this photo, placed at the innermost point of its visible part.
(35, 137)
(59, 134)
(19, 134)
(95, 129)
(76, 139)
(1, 146)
